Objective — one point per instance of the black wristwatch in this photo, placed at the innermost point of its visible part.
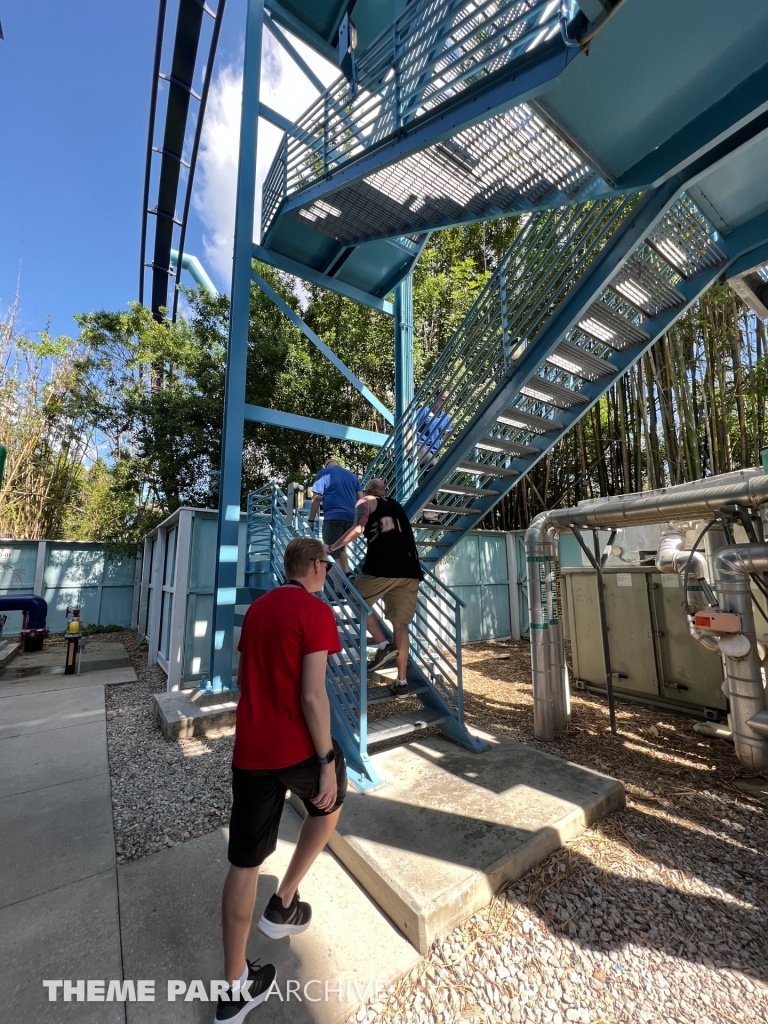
(329, 758)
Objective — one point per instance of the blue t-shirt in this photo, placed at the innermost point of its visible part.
(339, 489)
(431, 428)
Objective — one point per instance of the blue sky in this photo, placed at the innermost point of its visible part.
(74, 90)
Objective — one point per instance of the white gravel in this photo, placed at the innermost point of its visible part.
(162, 793)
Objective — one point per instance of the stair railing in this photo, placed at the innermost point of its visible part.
(551, 252)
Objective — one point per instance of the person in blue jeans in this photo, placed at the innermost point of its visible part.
(339, 490)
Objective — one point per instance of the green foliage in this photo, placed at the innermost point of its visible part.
(92, 630)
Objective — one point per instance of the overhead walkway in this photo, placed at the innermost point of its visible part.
(465, 111)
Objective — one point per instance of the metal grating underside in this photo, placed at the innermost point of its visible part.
(511, 163)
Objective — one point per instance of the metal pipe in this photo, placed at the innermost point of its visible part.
(733, 566)
(538, 557)
(701, 498)
(595, 563)
(560, 701)
(672, 557)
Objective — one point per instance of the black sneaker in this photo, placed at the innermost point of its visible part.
(399, 688)
(239, 1003)
(277, 920)
(383, 657)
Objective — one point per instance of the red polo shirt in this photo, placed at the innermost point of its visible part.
(278, 630)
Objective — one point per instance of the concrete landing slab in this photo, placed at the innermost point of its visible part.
(170, 914)
(54, 836)
(70, 932)
(450, 827)
(185, 713)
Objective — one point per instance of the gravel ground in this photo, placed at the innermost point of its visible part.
(658, 914)
(162, 793)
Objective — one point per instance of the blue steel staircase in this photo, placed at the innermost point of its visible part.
(434, 670)
(581, 294)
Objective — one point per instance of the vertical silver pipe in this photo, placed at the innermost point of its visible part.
(560, 706)
(743, 676)
(538, 555)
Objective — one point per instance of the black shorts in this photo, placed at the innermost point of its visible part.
(258, 801)
(334, 529)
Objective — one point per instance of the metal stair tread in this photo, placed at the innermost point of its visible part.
(555, 394)
(436, 527)
(483, 492)
(383, 694)
(540, 424)
(500, 444)
(480, 469)
(454, 510)
(602, 324)
(587, 366)
(383, 729)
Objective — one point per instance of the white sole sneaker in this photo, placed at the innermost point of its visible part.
(240, 1017)
(279, 931)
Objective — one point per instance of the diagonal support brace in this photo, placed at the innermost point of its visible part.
(331, 356)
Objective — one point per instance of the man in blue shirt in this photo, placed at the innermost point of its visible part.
(339, 490)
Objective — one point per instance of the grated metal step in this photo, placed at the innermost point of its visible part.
(603, 324)
(384, 729)
(436, 527)
(576, 360)
(539, 424)
(472, 492)
(555, 394)
(478, 469)
(454, 510)
(498, 444)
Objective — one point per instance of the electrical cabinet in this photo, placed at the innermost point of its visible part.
(653, 657)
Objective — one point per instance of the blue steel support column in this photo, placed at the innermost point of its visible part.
(224, 595)
(403, 359)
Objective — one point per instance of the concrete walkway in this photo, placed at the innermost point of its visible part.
(67, 911)
(58, 884)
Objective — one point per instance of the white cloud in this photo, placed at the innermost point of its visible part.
(284, 88)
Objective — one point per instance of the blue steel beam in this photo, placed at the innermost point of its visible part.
(293, 24)
(471, 106)
(275, 259)
(716, 132)
(293, 53)
(291, 421)
(228, 524)
(403, 346)
(327, 352)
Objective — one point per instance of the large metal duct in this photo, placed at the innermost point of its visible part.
(731, 568)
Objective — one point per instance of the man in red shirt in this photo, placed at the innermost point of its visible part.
(282, 741)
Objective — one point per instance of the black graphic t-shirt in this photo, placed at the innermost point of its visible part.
(391, 547)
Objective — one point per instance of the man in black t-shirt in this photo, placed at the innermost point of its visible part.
(391, 570)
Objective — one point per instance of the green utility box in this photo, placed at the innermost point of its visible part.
(653, 657)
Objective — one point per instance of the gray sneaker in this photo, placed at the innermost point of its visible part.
(383, 657)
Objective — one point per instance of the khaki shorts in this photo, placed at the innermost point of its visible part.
(399, 595)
